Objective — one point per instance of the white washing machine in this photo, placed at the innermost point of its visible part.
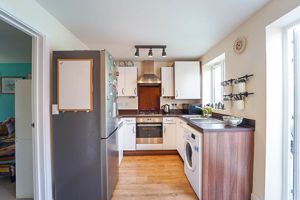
(193, 160)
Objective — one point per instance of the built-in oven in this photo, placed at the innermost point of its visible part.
(149, 133)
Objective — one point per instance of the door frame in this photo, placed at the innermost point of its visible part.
(41, 139)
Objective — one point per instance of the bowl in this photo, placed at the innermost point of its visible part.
(232, 121)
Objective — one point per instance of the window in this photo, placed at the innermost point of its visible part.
(292, 111)
(213, 77)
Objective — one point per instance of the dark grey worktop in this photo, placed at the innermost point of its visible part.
(247, 125)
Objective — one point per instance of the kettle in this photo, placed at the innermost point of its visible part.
(166, 108)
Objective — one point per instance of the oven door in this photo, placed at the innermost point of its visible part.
(147, 133)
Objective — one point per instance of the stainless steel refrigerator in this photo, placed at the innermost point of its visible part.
(85, 144)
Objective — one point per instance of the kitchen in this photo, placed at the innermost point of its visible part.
(152, 100)
(138, 122)
(150, 129)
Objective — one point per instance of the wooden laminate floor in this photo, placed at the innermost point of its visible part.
(153, 178)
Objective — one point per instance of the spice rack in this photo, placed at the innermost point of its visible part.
(236, 92)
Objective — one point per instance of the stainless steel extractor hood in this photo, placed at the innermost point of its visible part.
(148, 77)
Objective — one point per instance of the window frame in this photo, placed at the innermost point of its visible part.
(212, 79)
(291, 118)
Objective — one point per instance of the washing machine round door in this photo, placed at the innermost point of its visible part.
(189, 156)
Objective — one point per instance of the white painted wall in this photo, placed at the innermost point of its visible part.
(34, 15)
(57, 37)
(253, 60)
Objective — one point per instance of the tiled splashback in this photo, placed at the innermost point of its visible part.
(178, 102)
(127, 103)
(131, 103)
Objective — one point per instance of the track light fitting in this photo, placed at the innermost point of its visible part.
(150, 47)
(137, 52)
(164, 54)
(150, 54)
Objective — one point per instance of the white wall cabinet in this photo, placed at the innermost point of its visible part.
(127, 81)
(167, 82)
(169, 134)
(129, 134)
(121, 81)
(187, 80)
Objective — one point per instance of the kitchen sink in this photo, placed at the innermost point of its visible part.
(206, 121)
(194, 117)
(199, 119)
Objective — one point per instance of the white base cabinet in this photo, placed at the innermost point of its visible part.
(180, 138)
(129, 134)
(169, 133)
(120, 143)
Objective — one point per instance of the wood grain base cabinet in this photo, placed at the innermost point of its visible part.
(227, 166)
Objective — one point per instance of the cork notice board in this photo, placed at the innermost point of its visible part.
(75, 84)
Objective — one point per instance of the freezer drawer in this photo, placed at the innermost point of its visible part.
(110, 164)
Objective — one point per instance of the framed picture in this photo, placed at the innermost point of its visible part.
(8, 84)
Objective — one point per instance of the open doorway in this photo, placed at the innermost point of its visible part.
(16, 142)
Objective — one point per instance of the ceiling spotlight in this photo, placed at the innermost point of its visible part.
(137, 52)
(164, 54)
(150, 54)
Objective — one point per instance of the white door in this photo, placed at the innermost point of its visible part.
(130, 81)
(187, 80)
(24, 158)
(167, 81)
(169, 136)
(121, 81)
(129, 137)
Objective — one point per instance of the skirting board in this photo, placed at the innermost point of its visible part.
(254, 197)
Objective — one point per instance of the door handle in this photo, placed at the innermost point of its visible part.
(163, 91)
(122, 90)
(135, 91)
(164, 130)
(176, 93)
(133, 130)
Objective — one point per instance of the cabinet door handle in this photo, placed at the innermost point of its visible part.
(176, 93)
(133, 130)
(135, 91)
(164, 130)
(122, 90)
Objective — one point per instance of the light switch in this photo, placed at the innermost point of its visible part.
(55, 109)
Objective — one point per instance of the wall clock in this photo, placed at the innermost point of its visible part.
(239, 45)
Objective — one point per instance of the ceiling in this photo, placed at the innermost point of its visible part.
(15, 46)
(188, 27)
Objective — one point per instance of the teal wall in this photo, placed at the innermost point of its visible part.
(7, 101)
